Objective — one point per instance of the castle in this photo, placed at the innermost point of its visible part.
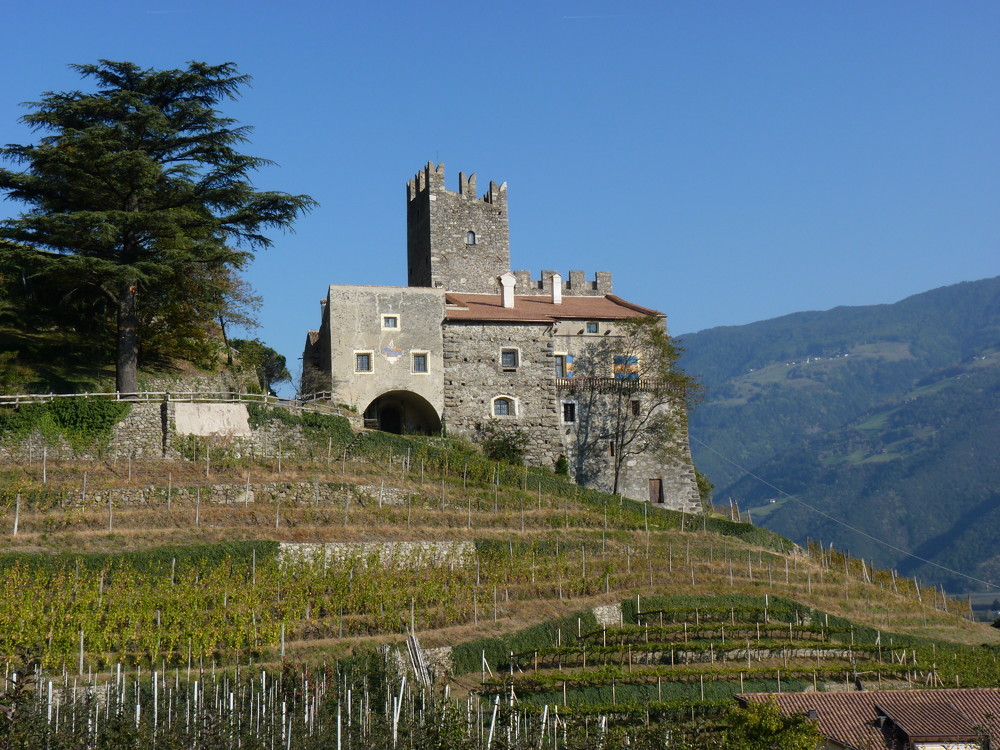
(470, 346)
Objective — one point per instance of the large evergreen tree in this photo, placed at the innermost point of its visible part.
(139, 181)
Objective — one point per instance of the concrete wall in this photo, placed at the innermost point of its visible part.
(212, 420)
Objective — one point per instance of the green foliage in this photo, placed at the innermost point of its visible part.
(318, 427)
(153, 561)
(873, 415)
(268, 366)
(637, 398)
(502, 442)
(562, 466)
(705, 487)
(137, 189)
(760, 726)
(467, 657)
(83, 422)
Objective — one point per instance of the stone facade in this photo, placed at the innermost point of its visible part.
(455, 240)
(499, 347)
(385, 346)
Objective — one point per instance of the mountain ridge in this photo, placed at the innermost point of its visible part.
(845, 407)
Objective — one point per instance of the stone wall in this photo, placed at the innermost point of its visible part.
(398, 554)
(576, 284)
(437, 225)
(289, 494)
(149, 431)
(474, 377)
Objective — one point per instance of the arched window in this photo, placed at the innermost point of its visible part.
(503, 407)
(470, 238)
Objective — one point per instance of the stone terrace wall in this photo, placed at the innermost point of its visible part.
(148, 432)
(299, 494)
(410, 554)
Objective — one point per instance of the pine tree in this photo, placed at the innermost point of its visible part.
(139, 180)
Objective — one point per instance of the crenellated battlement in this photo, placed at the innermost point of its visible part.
(431, 178)
(575, 285)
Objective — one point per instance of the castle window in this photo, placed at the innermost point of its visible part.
(419, 362)
(592, 327)
(503, 407)
(390, 321)
(626, 367)
(362, 362)
(470, 238)
(569, 411)
(635, 407)
(509, 359)
(564, 365)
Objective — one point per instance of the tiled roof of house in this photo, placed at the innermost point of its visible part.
(850, 718)
(540, 309)
(927, 717)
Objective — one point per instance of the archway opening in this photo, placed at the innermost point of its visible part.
(403, 413)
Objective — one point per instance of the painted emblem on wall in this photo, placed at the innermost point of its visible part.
(391, 353)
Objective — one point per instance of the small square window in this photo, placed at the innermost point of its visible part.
(509, 359)
(390, 321)
(592, 327)
(363, 362)
(420, 362)
(569, 412)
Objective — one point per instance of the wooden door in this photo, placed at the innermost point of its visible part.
(656, 490)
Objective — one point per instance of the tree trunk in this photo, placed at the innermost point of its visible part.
(128, 342)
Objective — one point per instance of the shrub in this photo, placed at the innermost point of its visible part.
(501, 443)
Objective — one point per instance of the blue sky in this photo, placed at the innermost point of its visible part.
(727, 161)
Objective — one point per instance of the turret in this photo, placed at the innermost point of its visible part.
(455, 240)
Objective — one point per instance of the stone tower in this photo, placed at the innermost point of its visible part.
(455, 241)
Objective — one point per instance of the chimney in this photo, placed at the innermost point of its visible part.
(556, 289)
(507, 282)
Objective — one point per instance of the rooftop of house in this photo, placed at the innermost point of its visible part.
(863, 719)
(541, 309)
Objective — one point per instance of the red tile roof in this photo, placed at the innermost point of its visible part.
(539, 309)
(850, 718)
(927, 717)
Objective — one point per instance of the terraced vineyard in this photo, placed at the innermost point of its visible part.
(178, 568)
(682, 657)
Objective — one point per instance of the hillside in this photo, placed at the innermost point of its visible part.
(873, 415)
(615, 613)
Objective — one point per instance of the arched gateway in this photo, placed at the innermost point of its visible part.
(402, 412)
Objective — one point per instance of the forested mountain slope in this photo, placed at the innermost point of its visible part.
(886, 417)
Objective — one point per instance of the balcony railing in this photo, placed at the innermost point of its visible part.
(630, 385)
